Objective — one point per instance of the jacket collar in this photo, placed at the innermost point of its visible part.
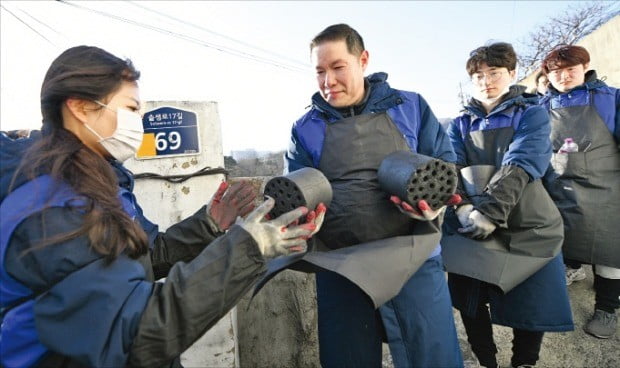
(125, 177)
(591, 82)
(515, 96)
(379, 97)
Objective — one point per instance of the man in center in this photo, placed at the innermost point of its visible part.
(353, 123)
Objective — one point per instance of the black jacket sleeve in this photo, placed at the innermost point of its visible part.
(152, 323)
(183, 241)
(195, 296)
(502, 194)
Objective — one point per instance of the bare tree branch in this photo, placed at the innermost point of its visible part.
(566, 28)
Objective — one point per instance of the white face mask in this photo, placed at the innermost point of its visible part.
(127, 138)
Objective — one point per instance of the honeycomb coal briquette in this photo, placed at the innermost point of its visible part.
(305, 187)
(413, 177)
(435, 183)
(286, 194)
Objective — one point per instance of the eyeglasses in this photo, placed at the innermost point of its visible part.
(490, 77)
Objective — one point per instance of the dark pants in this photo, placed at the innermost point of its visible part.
(352, 341)
(525, 344)
(418, 322)
(572, 263)
(607, 291)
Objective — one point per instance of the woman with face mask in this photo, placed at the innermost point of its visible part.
(502, 244)
(585, 184)
(78, 258)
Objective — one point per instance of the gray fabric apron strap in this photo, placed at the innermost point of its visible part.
(586, 186)
(508, 256)
(364, 237)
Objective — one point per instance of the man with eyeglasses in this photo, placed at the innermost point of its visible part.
(507, 220)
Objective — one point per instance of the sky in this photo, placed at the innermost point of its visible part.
(252, 58)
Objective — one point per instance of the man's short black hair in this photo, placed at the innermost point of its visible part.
(499, 55)
(337, 32)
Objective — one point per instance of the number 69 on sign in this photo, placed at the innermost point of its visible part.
(167, 141)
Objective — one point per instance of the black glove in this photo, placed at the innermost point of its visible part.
(502, 194)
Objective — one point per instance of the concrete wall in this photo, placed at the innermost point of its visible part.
(278, 327)
(604, 47)
(166, 203)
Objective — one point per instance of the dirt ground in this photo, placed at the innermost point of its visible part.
(565, 349)
(278, 329)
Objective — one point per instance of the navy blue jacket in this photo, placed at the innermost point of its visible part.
(426, 289)
(530, 148)
(89, 313)
(530, 305)
(408, 110)
(606, 100)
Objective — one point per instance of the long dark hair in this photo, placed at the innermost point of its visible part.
(88, 73)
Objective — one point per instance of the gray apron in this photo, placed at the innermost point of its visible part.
(586, 185)
(364, 237)
(508, 256)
